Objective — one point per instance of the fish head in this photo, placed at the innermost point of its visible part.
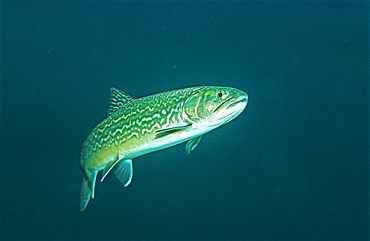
(214, 106)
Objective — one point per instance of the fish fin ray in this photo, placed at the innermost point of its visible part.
(124, 172)
(85, 194)
(118, 99)
(87, 189)
(170, 131)
(192, 144)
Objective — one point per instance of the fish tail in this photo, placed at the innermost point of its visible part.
(87, 190)
(85, 194)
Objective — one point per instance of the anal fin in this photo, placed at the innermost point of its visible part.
(93, 181)
(109, 167)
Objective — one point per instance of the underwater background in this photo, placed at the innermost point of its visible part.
(293, 166)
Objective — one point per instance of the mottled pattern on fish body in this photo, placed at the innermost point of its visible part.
(135, 127)
(126, 130)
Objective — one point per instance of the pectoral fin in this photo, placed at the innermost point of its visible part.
(192, 144)
(170, 131)
(124, 172)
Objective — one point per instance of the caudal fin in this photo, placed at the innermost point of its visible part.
(87, 190)
(85, 194)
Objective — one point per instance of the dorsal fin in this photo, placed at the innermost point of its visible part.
(118, 98)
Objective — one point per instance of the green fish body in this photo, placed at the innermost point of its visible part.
(135, 127)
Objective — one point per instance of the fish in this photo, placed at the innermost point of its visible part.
(135, 127)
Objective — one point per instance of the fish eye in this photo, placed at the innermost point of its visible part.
(222, 95)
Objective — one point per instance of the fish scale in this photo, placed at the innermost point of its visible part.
(135, 127)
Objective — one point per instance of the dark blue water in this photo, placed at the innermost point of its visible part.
(293, 166)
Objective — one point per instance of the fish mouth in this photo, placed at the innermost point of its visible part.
(231, 102)
(232, 108)
(242, 100)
